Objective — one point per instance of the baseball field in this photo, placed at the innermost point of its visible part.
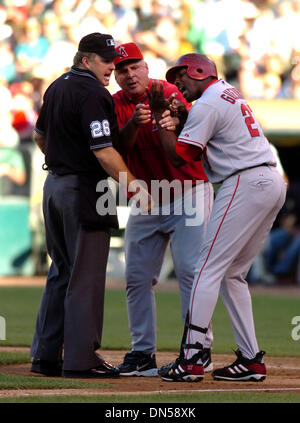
(277, 320)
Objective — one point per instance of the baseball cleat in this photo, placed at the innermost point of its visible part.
(206, 361)
(137, 363)
(183, 370)
(243, 369)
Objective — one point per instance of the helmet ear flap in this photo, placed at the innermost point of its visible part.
(199, 67)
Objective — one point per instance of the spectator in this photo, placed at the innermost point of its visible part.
(126, 19)
(283, 249)
(273, 67)
(8, 136)
(12, 167)
(258, 29)
(52, 30)
(163, 40)
(285, 29)
(7, 65)
(24, 115)
(32, 47)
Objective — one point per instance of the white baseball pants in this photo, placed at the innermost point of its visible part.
(242, 216)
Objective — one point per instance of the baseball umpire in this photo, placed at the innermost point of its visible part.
(76, 130)
(222, 130)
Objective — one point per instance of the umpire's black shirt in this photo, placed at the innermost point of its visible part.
(76, 117)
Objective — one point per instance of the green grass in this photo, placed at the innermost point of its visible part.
(272, 314)
(19, 307)
(13, 358)
(36, 382)
(190, 398)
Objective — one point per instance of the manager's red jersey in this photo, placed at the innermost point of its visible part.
(147, 160)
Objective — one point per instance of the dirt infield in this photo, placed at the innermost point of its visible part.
(168, 285)
(283, 376)
(283, 373)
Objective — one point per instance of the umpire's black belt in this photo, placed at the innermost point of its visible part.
(57, 172)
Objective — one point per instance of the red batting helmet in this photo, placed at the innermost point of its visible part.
(198, 67)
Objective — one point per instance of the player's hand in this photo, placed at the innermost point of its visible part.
(156, 97)
(142, 114)
(144, 201)
(168, 122)
(177, 107)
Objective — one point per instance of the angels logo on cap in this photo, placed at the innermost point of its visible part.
(122, 51)
(128, 51)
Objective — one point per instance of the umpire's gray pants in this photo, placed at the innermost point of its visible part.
(71, 310)
(146, 241)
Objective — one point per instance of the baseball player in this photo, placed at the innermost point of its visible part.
(147, 236)
(222, 130)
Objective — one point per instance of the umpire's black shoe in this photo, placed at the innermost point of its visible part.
(104, 370)
(46, 368)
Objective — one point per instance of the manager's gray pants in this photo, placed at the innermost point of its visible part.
(146, 241)
(71, 311)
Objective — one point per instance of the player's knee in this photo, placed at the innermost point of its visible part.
(185, 274)
(136, 280)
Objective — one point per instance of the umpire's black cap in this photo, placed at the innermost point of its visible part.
(101, 44)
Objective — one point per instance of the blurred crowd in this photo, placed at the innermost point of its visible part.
(256, 45)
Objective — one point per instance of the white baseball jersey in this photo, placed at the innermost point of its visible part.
(222, 124)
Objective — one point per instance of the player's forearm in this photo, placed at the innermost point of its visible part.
(168, 141)
(127, 137)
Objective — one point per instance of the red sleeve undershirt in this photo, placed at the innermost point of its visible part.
(187, 151)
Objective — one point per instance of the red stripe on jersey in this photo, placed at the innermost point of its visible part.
(210, 250)
(192, 142)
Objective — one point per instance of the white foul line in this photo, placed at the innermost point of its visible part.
(283, 367)
(181, 391)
